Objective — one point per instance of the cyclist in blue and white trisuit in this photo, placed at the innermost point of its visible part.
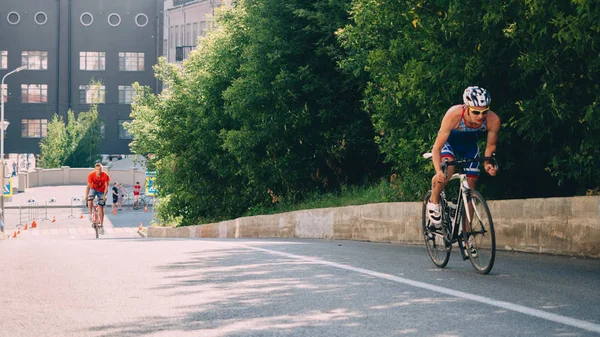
(457, 139)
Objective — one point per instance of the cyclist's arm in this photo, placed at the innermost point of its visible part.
(493, 129)
(448, 123)
(106, 188)
(87, 190)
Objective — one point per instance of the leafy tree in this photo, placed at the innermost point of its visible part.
(84, 138)
(538, 58)
(73, 144)
(179, 128)
(260, 113)
(53, 148)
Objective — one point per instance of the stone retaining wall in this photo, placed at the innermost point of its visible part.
(566, 226)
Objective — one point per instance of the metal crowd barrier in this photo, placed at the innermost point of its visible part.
(34, 210)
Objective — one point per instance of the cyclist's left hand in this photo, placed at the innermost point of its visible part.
(491, 169)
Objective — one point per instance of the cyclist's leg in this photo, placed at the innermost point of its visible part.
(90, 201)
(101, 204)
(437, 187)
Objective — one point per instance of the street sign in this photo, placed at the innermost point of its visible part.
(150, 188)
(8, 189)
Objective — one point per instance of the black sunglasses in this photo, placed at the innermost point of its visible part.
(477, 112)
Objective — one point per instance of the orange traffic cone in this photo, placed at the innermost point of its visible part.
(146, 208)
(114, 211)
(33, 224)
(140, 228)
(25, 227)
(53, 219)
(18, 231)
(81, 216)
(14, 234)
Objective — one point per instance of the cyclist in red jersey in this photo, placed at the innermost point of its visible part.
(97, 186)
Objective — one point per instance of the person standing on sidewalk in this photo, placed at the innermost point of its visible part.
(136, 193)
(122, 194)
(115, 196)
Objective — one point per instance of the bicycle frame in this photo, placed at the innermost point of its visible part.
(467, 210)
(463, 199)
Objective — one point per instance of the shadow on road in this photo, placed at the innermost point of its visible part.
(237, 292)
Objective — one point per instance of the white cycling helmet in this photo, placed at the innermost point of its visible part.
(476, 96)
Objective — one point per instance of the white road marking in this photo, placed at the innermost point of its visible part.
(481, 299)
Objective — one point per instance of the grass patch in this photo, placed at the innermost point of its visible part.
(347, 196)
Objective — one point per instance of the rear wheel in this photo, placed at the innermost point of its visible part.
(436, 246)
(481, 238)
(141, 203)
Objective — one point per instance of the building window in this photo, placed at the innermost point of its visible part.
(92, 94)
(34, 93)
(35, 60)
(181, 35)
(141, 20)
(13, 18)
(5, 92)
(188, 35)
(176, 36)
(114, 19)
(131, 61)
(202, 28)
(126, 94)
(195, 34)
(41, 18)
(124, 133)
(86, 19)
(3, 59)
(172, 37)
(34, 128)
(91, 60)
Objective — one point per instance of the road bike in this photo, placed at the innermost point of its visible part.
(96, 215)
(476, 239)
(143, 201)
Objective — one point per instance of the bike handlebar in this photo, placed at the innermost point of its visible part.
(462, 162)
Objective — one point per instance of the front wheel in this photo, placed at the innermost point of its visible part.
(480, 236)
(437, 249)
(141, 203)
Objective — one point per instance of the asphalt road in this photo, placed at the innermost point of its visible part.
(123, 285)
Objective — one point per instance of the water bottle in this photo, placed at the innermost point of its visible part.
(452, 205)
(452, 211)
